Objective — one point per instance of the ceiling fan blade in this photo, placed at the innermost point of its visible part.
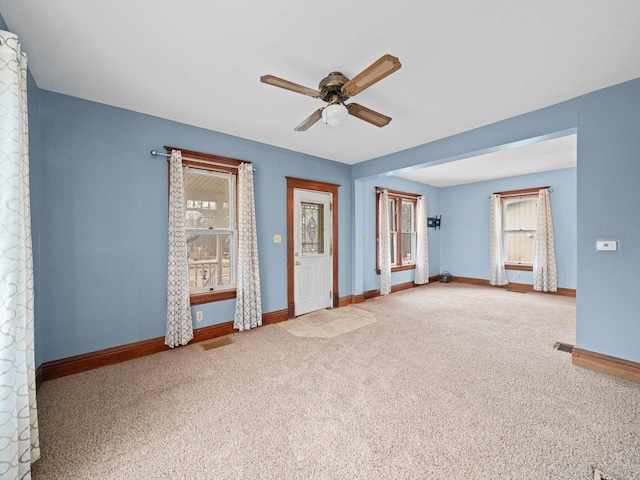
(287, 85)
(379, 69)
(368, 115)
(310, 120)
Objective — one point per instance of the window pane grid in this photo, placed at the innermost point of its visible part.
(408, 232)
(394, 248)
(210, 227)
(392, 216)
(402, 229)
(519, 230)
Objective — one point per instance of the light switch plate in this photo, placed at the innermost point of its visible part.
(277, 239)
(607, 245)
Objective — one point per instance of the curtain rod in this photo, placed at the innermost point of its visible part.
(518, 194)
(155, 153)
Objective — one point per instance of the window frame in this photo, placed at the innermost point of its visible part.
(230, 230)
(507, 196)
(397, 264)
(213, 163)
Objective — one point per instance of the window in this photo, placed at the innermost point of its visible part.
(402, 230)
(519, 224)
(210, 224)
(210, 220)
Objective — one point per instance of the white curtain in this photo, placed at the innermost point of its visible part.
(422, 243)
(385, 247)
(248, 302)
(545, 270)
(498, 275)
(179, 325)
(19, 443)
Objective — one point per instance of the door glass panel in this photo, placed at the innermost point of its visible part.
(312, 228)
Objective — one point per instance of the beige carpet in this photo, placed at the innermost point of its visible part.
(452, 381)
(329, 323)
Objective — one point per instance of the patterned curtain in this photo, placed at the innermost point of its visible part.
(179, 326)
(19, 441)
(545, 270)
(422, 247)
(248, 302)
(385, 246)
(498, 275)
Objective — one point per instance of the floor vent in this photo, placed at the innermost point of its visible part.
(564, 347)
(600, 475)
(218, 342)
(515, 290)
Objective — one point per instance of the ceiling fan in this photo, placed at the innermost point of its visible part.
(335, 89)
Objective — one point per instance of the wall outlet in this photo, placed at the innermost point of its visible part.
(199, 316)
(519, 275)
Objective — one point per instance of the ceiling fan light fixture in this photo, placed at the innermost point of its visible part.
(335, 114)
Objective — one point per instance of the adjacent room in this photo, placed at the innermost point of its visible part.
(284, 240)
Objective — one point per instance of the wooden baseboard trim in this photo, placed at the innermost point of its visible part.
(471, 281)
(369, 294)
(359, 298)
(101, 358)
(402, 286)
(396, 288)
(606, 364)
(89, 361)
(275, 317)
(566, 292)
(519, 287)
(344, 301)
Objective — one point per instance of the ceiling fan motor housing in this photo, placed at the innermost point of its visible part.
(331, 85)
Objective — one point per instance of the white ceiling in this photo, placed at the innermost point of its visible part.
(466, 63)
(530, 158)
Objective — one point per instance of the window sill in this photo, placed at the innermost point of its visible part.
(399, 268)
(513, 266)
(209, 297)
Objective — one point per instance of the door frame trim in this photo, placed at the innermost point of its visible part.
(304, 184)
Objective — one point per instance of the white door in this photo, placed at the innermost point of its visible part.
(312, 251)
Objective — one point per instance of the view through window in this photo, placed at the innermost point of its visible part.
(519, 229)
(210, 225)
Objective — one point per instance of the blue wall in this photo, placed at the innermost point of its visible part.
(99, 215)
(465, 225)
(101, 220)
(101, 230)
(607, 124)
(608, 307)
